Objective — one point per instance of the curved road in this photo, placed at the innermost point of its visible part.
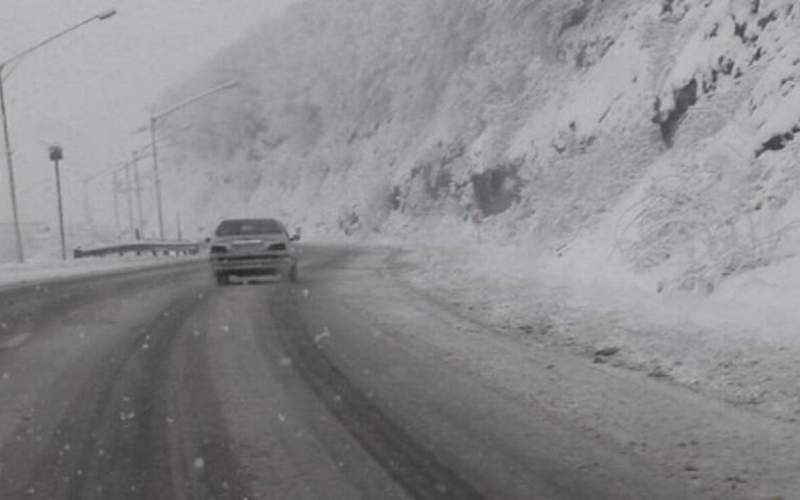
(159, 384)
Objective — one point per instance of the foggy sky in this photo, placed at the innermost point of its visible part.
(88, 90)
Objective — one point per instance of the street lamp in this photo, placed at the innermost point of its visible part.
(153, 122)
(106, 14)
(102, 16)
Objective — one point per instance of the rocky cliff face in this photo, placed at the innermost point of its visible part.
(662, 133)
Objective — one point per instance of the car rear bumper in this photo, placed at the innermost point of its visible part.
(252, 265)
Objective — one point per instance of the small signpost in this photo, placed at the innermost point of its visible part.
(56, 155)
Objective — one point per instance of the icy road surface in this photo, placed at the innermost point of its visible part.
(349, 384)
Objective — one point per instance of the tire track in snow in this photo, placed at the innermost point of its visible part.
(416, 468)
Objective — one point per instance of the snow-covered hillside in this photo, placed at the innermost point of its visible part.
(654, 135)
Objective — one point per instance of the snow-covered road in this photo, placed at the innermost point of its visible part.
(351, 383)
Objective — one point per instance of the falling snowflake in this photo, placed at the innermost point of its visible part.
(199, 463)
(306, 293)
(324, 334)
(225, 328)
(281, 417)
(285, 361)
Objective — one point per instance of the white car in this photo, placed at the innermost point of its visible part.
(253, 247)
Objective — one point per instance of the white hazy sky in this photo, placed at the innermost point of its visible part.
(87, 91)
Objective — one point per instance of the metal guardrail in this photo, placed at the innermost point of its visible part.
(139, 248)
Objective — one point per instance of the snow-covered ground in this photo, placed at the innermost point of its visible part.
(739, 345)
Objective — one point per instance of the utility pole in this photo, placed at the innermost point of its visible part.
(56, 155)
(138, 188)
(115, 189)
(87, 204)
(157, 178)
(129, 193)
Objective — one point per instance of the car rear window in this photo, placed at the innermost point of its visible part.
(249, 227)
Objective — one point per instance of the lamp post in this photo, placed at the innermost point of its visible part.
(56, 155)
(153, 124)
(102, 16)
(10, 168)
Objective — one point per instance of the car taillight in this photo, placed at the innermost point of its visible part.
(277, 247)
(218, 249)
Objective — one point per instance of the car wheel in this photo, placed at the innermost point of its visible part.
(222, 279)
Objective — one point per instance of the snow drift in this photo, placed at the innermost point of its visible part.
(657, 135)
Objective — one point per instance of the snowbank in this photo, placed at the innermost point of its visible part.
(740, 345)
(45, 269)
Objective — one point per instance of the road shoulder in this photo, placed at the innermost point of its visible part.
(714, 445)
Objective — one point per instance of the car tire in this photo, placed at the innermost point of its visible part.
(222, 279)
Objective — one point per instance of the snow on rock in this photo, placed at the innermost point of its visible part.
(640, 154)
(672, 122)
